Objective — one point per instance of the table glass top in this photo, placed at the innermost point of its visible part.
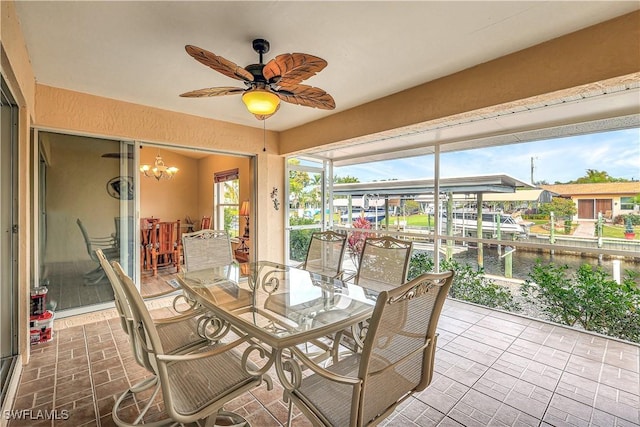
(277, 303)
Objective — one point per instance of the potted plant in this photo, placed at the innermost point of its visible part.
(629, 233)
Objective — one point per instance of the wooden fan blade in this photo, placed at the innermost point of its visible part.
(218, 63)
(307, 96)
(292, 68)
(213, 91)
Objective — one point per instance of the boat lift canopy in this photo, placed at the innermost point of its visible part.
(417, 187)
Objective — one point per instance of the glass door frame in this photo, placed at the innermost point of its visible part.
(326, 199)
(125, 147)
(9, 326)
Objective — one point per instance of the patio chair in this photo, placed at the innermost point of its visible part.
(325, 253)
(397, 360)
(178, 334)
(109, 247)
(384, 263)
(206, 249)
(195, 386)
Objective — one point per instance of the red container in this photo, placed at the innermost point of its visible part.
(41, 327)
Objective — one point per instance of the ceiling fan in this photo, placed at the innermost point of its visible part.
(267, 84)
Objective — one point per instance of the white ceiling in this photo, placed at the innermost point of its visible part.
(134, 51)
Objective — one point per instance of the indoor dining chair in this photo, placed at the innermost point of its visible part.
(166, 246)
(195, 386)
(205, 223)
(396, 361)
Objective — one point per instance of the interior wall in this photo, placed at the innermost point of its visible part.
(76, 187)
(217, 163)
(172, 199)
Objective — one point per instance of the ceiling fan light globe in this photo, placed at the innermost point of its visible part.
(260, 101)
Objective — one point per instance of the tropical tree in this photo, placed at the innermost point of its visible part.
(345, 179)
(594, 176)
(298, 180)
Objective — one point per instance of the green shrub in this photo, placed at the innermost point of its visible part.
(299, 239)
(468, 284)
(589, 298)
(420, 263)
(622, 219)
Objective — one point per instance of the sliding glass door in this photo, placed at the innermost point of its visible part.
(8, 241)
(87, 202)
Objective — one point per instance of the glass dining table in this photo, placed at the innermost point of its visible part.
(277, 305)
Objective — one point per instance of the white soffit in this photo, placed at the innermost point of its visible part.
(560, 118)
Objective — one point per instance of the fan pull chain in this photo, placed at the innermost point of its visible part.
(264, 135)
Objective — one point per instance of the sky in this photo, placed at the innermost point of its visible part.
(561, 159)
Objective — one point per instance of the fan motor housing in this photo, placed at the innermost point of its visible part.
(256, 71)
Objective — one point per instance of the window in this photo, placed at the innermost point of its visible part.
(226, 193)
(626, 203)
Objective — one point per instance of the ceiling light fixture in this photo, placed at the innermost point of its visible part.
(159, 170)
(261, 101)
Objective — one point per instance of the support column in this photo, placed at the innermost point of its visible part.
(479, 230)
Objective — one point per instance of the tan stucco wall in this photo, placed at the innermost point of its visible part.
(16, 66)
(79, 112)
(604, 51)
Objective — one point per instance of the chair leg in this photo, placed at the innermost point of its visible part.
(154, 262)
(290, 413)
(141, 386)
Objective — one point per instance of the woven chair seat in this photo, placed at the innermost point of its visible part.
(191, 391)
(329, 397)
(178, 337)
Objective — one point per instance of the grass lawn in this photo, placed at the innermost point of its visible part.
(617, 231)
(418, 220)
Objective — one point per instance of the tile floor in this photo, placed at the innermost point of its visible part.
(492, 368)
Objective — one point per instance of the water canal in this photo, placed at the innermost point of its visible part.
(523, 261)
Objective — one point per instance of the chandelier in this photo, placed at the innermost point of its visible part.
(159, 170)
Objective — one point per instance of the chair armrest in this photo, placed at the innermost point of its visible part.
(346, 275)
(323, 372)
(178, 318)
(160, 294)
(219, 349)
